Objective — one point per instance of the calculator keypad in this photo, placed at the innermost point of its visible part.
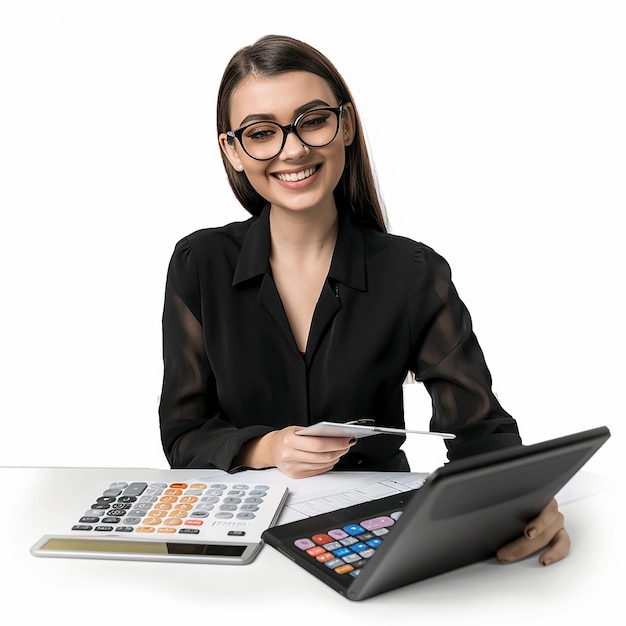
(347, 549)
(171, 508)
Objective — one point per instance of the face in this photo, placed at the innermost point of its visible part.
(299, 178)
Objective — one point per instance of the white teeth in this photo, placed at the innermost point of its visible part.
(295, 176)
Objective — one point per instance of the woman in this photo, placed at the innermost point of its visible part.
(310, 310)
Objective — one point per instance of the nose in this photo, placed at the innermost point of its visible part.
(293, 148)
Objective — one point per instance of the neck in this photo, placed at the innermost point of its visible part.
(303, 234)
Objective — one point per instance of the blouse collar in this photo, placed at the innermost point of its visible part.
(347, 266)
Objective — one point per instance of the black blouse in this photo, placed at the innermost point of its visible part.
(233, 371)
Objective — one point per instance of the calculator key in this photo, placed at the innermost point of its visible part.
(110, 520)
(344, 569)
(178, 486)
(105, 500)
(304, 544)
(245, 515)
(321, 538)
(378, 522)
(219, 486)
(354, 529)
(89, 520)
(316, 551)
(341, 552)
(114, 492)
(188, 531)
(135, 489)
(337, 533)
(82, 527)
(231, 500)
(104, 529)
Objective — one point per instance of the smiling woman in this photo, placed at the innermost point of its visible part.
(323, 310)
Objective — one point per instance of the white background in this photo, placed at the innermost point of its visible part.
(497, 130)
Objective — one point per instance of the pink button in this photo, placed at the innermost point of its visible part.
(377, 522)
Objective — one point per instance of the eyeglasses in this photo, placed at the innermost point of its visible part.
(265, 140)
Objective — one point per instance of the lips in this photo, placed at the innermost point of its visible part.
(294, 177)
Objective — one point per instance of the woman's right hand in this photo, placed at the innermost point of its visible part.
(295, 455)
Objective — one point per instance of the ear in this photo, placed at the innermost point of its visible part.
(227, 144)
(348, 124)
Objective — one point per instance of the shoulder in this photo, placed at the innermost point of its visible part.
(403, 250)
(205, 240)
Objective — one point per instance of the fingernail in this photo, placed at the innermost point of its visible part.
(546, 561)
(352, 441)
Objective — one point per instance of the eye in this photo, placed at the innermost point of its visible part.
(314, 120)
(261, 132)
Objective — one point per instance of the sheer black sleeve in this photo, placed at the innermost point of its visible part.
(194, 430)
(452, 366)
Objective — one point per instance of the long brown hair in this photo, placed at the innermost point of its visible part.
(276, 54)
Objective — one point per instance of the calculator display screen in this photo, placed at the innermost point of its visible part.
(112, 546)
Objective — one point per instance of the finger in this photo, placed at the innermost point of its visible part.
(558, 550)
(549, 517)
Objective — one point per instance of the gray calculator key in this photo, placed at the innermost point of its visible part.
(218, 486)
(223, 515)
(231, 500)
(249, 507)
(135, 489)
(228, 507)
(113, 491)
(258, 492)
(245, 515)
(253, 500)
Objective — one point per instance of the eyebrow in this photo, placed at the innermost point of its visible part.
(269, 116)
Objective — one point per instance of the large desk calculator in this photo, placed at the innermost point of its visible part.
(214, 519)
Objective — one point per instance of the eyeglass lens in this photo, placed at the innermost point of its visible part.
(264, 140)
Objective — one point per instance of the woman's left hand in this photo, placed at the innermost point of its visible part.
(545, 530)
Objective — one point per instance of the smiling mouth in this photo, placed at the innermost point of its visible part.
(293, 177)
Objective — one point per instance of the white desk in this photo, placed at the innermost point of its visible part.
(84, 592)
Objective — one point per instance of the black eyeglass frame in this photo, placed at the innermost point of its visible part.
(339, 111)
